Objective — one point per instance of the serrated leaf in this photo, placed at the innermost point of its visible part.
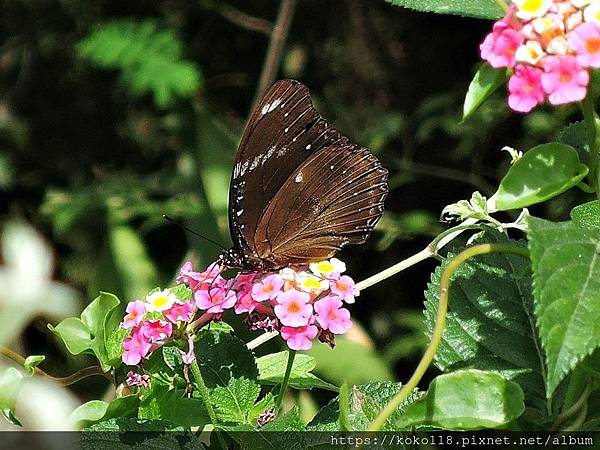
(365, 403)
(114, 345)
(172, 358)
(286, 432)
(491, 402)
(88, 334)
(481, 9)
(162, 403)
(150, 59)
(490, 323)
(575, 135)
(485, 82)
(543, 172)
(587, 215)
(272, 367)
(230, 374)
(182, 292)
(566, 275)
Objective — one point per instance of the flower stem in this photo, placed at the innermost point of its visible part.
(592, 127)
(63, 381)
(206, 398)
(440, 324)
(286, 379)
(428, 252)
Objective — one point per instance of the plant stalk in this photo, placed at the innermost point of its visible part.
(592, 128)
(440, 324)
(206, 398)
(285, 381)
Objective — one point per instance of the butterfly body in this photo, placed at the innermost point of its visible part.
(300, 191)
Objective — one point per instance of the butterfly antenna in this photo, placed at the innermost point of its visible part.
(183, 227)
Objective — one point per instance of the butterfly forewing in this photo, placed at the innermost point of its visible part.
(300, 190)
(283, 131)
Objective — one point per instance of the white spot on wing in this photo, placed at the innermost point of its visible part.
(299, 177)
(239, 213)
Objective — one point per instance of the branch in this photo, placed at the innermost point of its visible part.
(275, 49)
(244, 20)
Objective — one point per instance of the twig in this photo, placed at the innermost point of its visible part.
(244, 20)
(64, 381)
(275, 50)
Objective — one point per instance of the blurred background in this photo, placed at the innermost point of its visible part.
(113, 113)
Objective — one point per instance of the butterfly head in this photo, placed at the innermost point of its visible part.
(236, 259)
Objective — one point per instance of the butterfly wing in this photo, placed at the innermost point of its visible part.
(283, 132)
(333, 199)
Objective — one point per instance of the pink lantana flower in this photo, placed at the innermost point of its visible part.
(564, 79)
(293, 308)
(344, 288)
(499, 47)
(268, 288)
(180, 312)
(585, 40)
(200, 280)
(135, 313)
(299, 338)
(136, 347)
(245, 302)
(525, 88)
(156, 330)
(215, 301)
(331, 316)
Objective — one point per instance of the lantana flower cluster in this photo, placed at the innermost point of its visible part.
(550, 45)
(302, 303)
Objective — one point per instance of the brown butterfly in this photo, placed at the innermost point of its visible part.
(300, 191)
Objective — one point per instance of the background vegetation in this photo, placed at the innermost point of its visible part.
(113, 113)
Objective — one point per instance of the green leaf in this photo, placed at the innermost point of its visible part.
(587, 215)
(10, 385)
(272, 367)
(114, 345)
(182, 292)
(150, 59)
(230, 374)
(485, 82)
(364, 404)
(566, 275)
(91, 411)
(465, 400)
(289, 436)
(542, 173)
(31, 362)
(481, 9)
(490, 324)
(575, 135)
(88, 333)
(97, 410)
(172, 405)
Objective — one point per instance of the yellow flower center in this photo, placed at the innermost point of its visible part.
(325, 266)
(531, 5)
(312, 283)
(160, 301)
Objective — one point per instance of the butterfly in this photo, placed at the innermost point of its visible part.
(299, 191)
